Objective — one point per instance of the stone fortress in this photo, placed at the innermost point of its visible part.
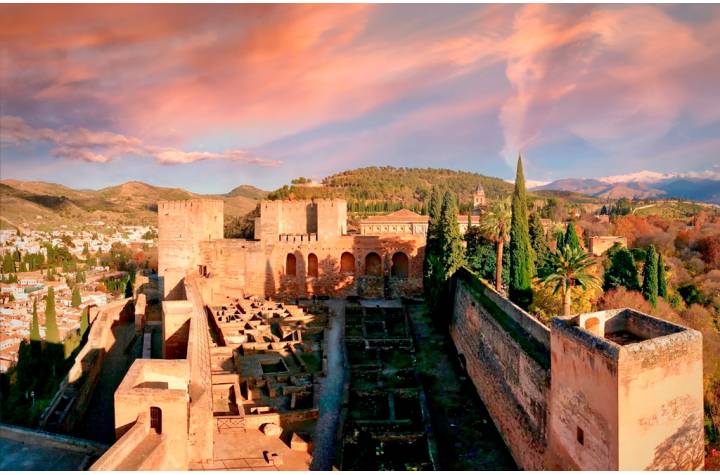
(610, 390)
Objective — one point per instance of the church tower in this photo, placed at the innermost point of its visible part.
(479, 200)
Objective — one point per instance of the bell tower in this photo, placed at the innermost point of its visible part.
(479, 200)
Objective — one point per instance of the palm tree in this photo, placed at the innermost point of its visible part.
(569, 268)
(495, 224)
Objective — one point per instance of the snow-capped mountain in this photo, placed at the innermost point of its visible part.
(697, 186)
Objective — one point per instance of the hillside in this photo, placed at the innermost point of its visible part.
(407, 187)
(410, 187)
(36, 204)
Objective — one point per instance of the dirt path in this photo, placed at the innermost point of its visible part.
(331, 392)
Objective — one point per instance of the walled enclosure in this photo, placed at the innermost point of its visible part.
(611, 390)
(298, 251)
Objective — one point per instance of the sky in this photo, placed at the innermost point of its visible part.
(208, 97)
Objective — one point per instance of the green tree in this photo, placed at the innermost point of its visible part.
(622, 271)
(571, 238)
(522, 267)
(84, 322)
(480, 255)
(431, 243)
(569, 269)
(450, 239)
(559, 239)
(539, 243)
(75, 300)
(662, 282)
(650, 276)
(52, 334)
(35, 325)
(8, 264)
(495, 224)
(128, 288)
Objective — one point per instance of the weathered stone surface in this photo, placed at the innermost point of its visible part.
(271, 430)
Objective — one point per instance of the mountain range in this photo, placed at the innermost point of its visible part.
(703, 186)
(35, 204)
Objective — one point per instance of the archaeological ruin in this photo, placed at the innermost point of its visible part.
(293, 350)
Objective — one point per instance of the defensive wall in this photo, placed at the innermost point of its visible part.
(72, 399)
(301, 248)
(163, 407)
(611, 390)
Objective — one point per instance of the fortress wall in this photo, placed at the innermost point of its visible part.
(661, 404)
(200, 429)
(583, 397)
(260, 269)
(506, 354)
(81, 380)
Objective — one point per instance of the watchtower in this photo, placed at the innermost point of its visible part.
(182, 225)
(626, 393)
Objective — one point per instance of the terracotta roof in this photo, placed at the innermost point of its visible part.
(400, 216)
(407, 216)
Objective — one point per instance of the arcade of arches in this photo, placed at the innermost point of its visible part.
(400, 265)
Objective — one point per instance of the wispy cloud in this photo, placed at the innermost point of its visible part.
(101, 147)
(325, 87)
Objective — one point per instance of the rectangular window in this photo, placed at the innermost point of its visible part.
(580, 436)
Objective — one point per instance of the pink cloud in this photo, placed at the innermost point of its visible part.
(101, 146)
(605, 75)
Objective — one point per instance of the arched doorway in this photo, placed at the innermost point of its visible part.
(347, 263)
(290, 265)
(400, 265)
(312, 265)
(373, 264)
(156, 419)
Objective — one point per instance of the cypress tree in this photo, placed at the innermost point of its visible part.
(559, 239)
(662, 283)
(52, 334)
(128, 288)
(622, 271)
(571, 237)
(522, 267)
(35, 325)
(435, 209)
(650, 276)
(450, 240)
(75, 300)
(431, 263)
(84, 322)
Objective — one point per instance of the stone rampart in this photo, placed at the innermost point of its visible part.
(73, 396)
(200, 429)
(506, 354)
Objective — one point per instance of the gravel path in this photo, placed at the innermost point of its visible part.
(331, 392)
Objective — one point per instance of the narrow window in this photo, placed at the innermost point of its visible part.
(580, 436)
(156, 419)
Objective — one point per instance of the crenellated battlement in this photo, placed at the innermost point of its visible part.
(189, 205)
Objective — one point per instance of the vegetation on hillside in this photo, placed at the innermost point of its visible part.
(410, 188)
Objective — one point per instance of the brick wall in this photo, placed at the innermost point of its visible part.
(507, 364)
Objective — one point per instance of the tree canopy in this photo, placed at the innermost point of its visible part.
(522, 267)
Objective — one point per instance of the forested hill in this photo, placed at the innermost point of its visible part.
(391, 188)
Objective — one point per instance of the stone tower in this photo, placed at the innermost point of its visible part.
(479, 199)
(182, 226)
(626, 393)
